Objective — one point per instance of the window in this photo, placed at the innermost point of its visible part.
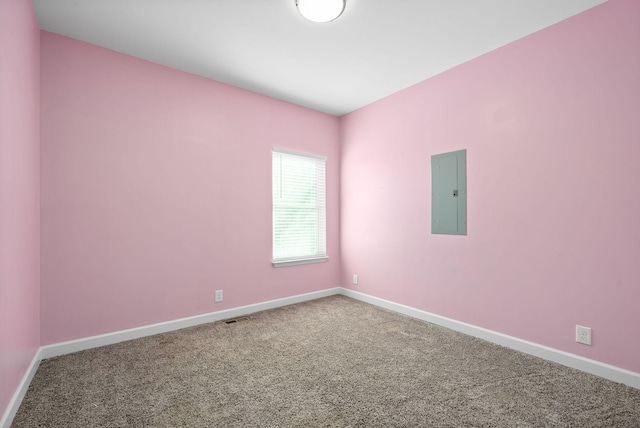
(299, 208)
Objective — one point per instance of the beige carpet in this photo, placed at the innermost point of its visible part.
(333, 362)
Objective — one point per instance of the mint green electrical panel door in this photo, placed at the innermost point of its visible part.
(449, 193)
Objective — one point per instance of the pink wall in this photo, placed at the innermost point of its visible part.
(19, 193)
(551, 127)
(156, 191)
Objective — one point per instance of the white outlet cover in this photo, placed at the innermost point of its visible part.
(355, 279)
(583, 335)
(218, 297)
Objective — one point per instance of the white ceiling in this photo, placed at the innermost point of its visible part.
(376, 48)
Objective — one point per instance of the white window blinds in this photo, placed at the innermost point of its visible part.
(299, 208)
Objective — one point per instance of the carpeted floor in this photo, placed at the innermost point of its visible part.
(332, 362)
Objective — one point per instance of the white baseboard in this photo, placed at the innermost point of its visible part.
(597, 368)
(16, 399)
(56, 349)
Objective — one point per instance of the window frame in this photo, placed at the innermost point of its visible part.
(320, 257)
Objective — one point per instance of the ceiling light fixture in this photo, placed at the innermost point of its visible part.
(320, 10)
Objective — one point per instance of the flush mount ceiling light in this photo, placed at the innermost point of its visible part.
(320, 10)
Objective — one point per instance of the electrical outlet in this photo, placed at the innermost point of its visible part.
(583, 335)
(355, 279)
(218, 297)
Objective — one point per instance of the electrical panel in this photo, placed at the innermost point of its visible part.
(449, 193)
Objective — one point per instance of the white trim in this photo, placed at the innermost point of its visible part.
(293, 152)
(16, 399)
(56, 349)
(597, 368)
(294, 262)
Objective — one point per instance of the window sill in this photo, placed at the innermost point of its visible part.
(294, 262)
